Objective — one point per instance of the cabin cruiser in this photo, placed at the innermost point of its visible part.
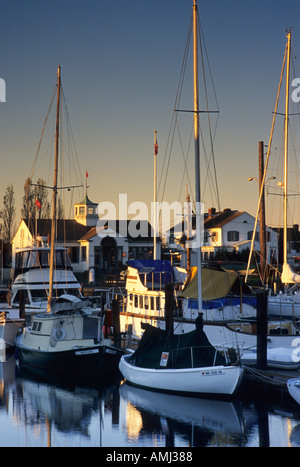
(31, 277)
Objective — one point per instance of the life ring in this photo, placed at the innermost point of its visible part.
(58, 334)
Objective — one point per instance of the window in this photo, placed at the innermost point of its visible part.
(233, 236)
(90, 210)
(83, 253)
(74, 254)
(136, 303)
(36, 326)
(214, 236)
(250, 235)
(81, 211)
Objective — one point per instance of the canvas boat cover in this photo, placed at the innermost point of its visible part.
(215, 284)
(162, 270)
(177, 347)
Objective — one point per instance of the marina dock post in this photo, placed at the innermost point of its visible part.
(169, 312)
(116, 322)
(262, 329)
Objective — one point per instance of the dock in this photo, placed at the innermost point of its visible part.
(271, 378)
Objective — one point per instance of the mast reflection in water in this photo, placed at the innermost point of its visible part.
(36, 412)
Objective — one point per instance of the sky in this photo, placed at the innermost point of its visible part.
(121, 62)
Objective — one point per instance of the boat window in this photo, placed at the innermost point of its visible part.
(38, 295)
(90, 328)
(74, 291)
(152, 303)
(33, 261)
(136, 303)
(16, 300)
(58, 292)
(21, 259)
(130, 299)
(146, 302)
(37, 326)
(45, 258)
(58, 259)
(141, 301)
(158, 303)
(25, 259)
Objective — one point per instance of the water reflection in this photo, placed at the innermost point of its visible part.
(36, 410)
(193, 419)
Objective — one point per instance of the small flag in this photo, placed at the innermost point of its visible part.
(86, 174)
(38, 204)
(156, 149)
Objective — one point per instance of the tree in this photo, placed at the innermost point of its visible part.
(8, 213)
(35, 200)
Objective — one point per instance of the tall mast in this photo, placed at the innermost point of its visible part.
(154, 197)
(197, 153)
(287, 93)
(53, 224)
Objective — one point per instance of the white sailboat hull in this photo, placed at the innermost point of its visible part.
(214, 380)
(284, 306)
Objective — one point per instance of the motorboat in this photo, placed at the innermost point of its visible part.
(67, 340)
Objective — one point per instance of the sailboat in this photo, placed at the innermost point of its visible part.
(68, 337)
(285, 304)
(185, 363)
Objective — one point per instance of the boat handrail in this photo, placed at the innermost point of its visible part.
(229, 353)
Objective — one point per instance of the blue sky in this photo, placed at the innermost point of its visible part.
(121, 62)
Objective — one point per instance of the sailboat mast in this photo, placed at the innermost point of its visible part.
(197, 152)
(287, 94)
(53, 224)
(154, 197)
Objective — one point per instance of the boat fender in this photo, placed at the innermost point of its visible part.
(58, 334)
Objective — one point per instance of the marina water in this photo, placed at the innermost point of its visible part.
(37, 411)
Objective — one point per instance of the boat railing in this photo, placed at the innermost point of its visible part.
(230, 354)
(157, 280)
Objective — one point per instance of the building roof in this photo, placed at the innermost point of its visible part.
(66, 229)
(219, 219)
(212, 219)
(87, 201)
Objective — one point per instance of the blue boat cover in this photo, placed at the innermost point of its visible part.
(162, 270)
(221, 302)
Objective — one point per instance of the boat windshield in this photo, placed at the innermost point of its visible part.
(40, 295)
(38, 258)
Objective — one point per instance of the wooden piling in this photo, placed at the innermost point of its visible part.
(262, 329)
(169, 314)
(116, 322)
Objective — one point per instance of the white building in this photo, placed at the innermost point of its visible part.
(229, 231)
(94, 251)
